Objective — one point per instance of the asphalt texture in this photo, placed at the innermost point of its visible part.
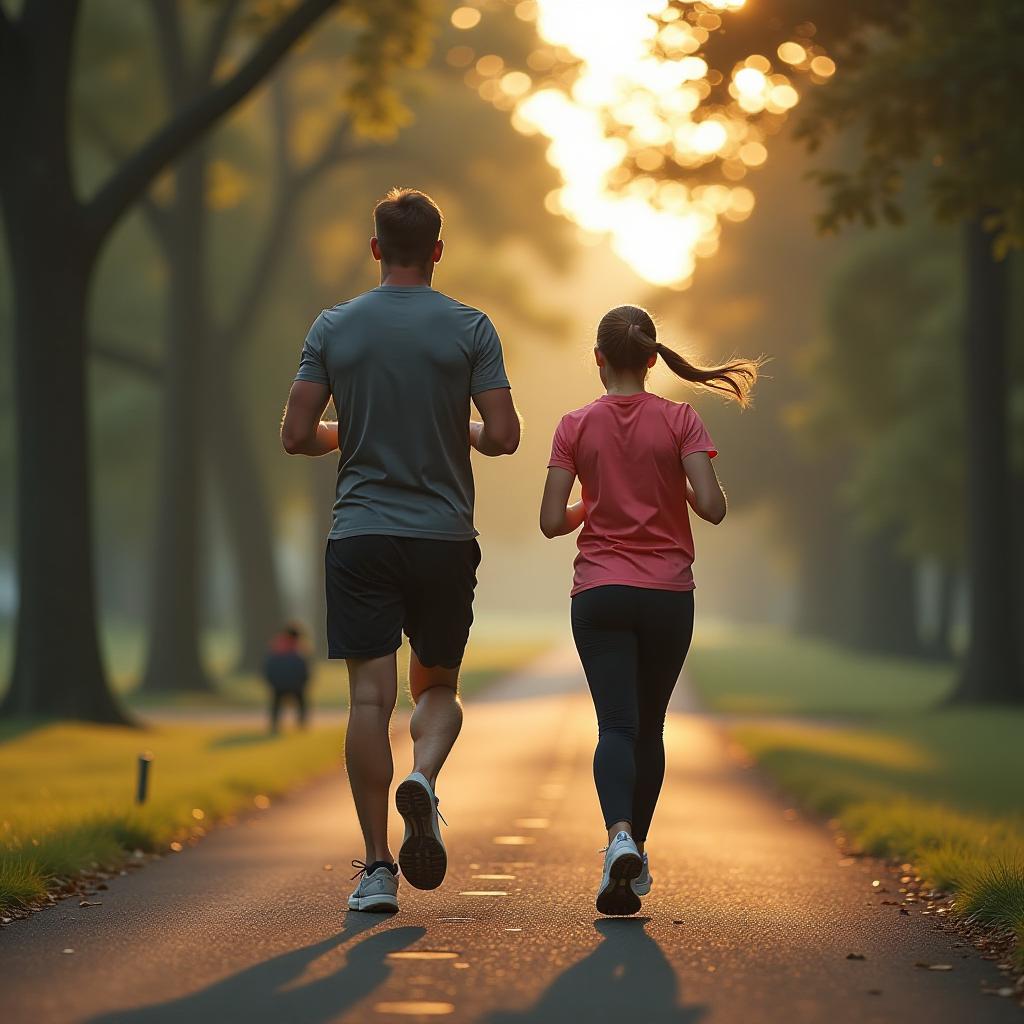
(753, 916)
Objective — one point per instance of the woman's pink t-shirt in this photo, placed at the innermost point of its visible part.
(627, 451)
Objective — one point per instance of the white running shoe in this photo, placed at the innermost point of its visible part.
(622, 863)
(377, 891)
(643, 882)
(422, 858)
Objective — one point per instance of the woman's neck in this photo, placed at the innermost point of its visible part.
(624, 385)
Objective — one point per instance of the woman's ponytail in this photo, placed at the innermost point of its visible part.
(627, 338)
(735, 379)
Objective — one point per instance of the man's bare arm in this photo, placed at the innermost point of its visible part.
(302, 430)
(501, 428)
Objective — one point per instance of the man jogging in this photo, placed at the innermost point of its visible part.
(402, 363)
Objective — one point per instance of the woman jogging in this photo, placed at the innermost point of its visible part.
(641, 460)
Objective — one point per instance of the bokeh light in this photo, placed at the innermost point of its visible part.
(465, 17)
(625, 99)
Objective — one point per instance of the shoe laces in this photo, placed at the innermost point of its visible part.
(361, 866)
(437, 807)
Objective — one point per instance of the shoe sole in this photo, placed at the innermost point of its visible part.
(422, 858)
(374, 904)
(617, 898)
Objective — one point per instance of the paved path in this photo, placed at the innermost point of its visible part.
(751, 919)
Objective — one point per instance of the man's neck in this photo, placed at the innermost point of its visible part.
(404, 277)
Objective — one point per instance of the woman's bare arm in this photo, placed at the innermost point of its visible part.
(703, 491)
(557, 516)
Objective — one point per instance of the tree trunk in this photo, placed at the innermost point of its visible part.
(249, 523)
(58, 667)
(941, 643)
(53, 242)
(174, 659)
(1017, 516)
(827, 553)
(888, 615)
(990, 671)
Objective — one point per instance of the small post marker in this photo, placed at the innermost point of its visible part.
(142, 788)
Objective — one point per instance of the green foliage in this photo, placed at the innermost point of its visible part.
(927, 81)
(885, 386)
(392, 35)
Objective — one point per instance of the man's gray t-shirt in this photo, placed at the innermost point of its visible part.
(402, 363)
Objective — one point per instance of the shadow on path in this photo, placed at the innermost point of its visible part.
(627, 977)
(265, 993)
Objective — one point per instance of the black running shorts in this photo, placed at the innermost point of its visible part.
(379, 586)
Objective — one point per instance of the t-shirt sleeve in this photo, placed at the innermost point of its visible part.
(488, 370)
(694, 436)
(563, 455)
(312, 365)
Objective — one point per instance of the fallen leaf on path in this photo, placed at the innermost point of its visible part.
(855, 956)
(328, 867)
(67, 950)
(1004, 992)
(903, 910)
(933, 967)
(90, 903)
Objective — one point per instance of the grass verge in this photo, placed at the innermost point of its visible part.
(66, 789)
(905, 778)
(67, 792)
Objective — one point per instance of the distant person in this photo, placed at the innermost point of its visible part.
(640, 459)
(287, 673)
(402, 363)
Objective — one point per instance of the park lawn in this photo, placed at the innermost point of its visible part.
(865, 741)
(487, 658)
(67, 791)
(495, 648)
(763, 671)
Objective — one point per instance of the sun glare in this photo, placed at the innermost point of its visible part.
(631, 114)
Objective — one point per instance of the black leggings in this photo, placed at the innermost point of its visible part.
(632, 643)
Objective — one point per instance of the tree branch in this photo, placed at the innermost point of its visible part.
(159, 219)
(139, 172)
(289, 188)
(172, 52)
(335, 149)
(215, 42)
(113, 352)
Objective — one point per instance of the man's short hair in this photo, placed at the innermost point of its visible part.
(407, 223)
